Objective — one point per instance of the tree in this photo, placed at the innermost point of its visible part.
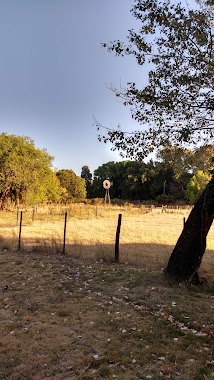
(128, 180)
(183, 160)
(112, 171)
(179, 161)
(176, 104)
(25, 172)
(200, 159)
(186, 257)
(176, 158)
(74, 185)
(196, 185)
(87, 176)
(135, 180)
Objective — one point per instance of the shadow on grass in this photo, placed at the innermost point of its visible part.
(149, 256)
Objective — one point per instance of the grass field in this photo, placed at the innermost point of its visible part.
(80, 316)
(145, 238)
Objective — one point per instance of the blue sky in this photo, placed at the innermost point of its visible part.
(54, 75)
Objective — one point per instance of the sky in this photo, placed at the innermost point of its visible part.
(54, 76)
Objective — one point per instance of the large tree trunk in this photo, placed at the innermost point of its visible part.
(186, 257)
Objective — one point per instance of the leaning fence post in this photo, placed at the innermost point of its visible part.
(64, 233)
(117, 239)
(20, 231)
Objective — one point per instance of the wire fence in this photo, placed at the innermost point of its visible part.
(80, 228)
(142, 235)
(85, 211)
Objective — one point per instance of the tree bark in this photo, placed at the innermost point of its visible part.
(186, 257)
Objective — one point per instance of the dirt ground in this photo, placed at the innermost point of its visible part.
(67, 319)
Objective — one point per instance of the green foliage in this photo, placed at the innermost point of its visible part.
(25, 172)
(196, 185)
(134, 180)
(202, 159)
(48, 189)
(74, 186)
(176, 158)
(126, 178)
(86, 174)
(177, 102)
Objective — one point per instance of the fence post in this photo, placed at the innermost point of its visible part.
(33, 215)
(20, 231)
(184, 221)
(64, 233)
(17, 216)
(117, 239)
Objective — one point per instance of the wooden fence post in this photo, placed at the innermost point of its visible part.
(65, 224)
(33, 215)
(184, 221)
(17, 216)
(20, 231)
(117, 239)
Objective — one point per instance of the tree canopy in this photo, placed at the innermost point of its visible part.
(134, 180)
(196, 185)
(169, 173)
(26, 172)
(177, 102)
(74, 186)
(86, 175)
(126, 179)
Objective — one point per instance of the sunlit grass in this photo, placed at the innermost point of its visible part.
(146, 239)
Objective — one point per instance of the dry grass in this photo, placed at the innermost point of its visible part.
(137, 227)
(79, 316)
(146, 239)
(72, 319)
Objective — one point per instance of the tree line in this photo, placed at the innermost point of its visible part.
(177, 175)
(27, 176)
